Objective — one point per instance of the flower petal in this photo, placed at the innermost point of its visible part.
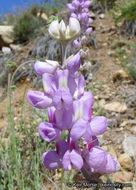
(49, 84)
(54, 30)
(110, 165)
(76, 159)
(66, 162)
(88, 31)
(61, 147)
(63, 119)
(79, 129)
(62, 99)
(39, 99)
(74, 63)
(74, 27)
(72, 159)
(70, 7)
(83, 107)
(98, 125)
(48, 66)
(80, 87)
(96, 158)
(51, 160)
(51, 115)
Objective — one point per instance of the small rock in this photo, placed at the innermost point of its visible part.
(122, 177)
(6, 50)
(133, 130)
(86, 66)
(16, 47)
(120, 75)
(116, 107)
(92, 15)
(102, 102)
(6, 35)
(124, 123)
(3, 124)
(110, 53)
(89, 78)
(126, 161)
(112, 123)
(132, 122)
(101, 16)
(129, 145)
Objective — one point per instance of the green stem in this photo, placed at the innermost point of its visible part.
(63, 53)
(62, 177)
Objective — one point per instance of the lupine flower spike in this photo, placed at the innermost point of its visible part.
(69, 107)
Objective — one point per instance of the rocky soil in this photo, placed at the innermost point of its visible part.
(114, 97)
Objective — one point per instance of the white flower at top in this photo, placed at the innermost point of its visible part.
(61, 32)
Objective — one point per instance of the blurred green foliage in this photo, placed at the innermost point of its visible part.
(106, 4)
(28, 24)
(125, 10)
(130, 64)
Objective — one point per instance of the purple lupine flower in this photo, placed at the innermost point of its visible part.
(48, 66)
(53, 159)
(72, 158)
(39, 99)
(49, 132)
(97, 160)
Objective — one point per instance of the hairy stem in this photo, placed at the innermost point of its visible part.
(63, 53)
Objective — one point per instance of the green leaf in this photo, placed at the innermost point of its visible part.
(13, 86)
(11, 64)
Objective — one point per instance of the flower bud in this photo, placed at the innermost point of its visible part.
(70, 7)
(54, 30)
(76, 44)
(74, 28)
(74, 63)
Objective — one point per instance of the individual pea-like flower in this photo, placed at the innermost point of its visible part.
(98, 161)
(59, 31)
(39, 99)
(49, 132)
(48, 66)
(53, 159)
